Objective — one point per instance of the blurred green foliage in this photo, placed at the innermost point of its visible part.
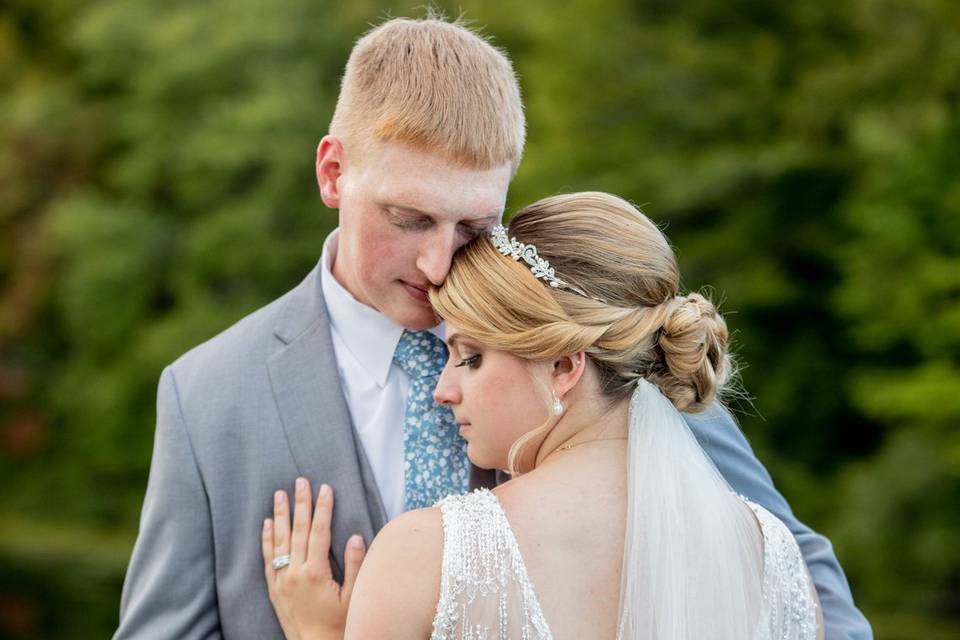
(156, 184)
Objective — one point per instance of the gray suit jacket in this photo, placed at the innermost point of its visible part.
(244, 414)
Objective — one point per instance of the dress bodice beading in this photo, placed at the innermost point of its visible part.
(789, 610)
(485, 592)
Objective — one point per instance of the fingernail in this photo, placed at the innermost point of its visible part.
(356, 542)
(301, 484)
(267, 523)
(278, 497)
(324, 489)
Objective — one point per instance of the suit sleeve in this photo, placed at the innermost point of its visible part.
(726, 445)
(170, 591)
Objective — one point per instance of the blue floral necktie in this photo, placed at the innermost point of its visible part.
(435, 456)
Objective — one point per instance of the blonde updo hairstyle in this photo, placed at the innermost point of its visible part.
(639, 327)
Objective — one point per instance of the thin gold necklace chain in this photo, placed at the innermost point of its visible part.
(597, 439)
(577, 444)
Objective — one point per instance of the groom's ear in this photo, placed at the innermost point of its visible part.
(329, 170)
(567, 371)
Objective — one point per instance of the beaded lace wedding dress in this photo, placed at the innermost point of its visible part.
(674, 586)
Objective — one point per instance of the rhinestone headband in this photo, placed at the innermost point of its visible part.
(539, 267)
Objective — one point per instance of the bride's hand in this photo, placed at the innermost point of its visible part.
(309, 603)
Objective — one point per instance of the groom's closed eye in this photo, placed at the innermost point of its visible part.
(415, 220)
(471, 230)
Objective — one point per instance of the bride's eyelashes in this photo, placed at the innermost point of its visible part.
(473, 362)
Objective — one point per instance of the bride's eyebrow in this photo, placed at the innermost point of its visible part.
(452, 341)
(456, 340)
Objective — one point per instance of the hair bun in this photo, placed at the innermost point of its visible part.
(693, 342)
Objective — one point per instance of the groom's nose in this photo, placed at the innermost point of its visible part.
(435, 255)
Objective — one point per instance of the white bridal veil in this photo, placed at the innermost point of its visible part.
(692, 562)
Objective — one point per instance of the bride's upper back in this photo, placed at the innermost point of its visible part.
(568, 519)
(555, 539)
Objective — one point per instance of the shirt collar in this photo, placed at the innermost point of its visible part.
(367, 334)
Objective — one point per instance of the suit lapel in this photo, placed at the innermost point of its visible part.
(322, 440)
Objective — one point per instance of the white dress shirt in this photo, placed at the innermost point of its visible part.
(364, 341)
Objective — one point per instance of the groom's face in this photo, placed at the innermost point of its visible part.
(403, 214)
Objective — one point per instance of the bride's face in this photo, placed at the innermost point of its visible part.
(494, 395)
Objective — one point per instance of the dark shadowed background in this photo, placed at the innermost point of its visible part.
(156, 184)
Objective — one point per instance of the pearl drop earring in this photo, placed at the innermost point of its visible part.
(557, 406)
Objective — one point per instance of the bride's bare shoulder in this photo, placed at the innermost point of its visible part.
(416, 523)
(399, 583)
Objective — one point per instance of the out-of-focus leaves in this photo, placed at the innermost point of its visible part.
(156, 184)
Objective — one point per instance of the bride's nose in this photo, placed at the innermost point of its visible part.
(446, 392)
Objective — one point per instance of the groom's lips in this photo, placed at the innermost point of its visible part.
(416, 292)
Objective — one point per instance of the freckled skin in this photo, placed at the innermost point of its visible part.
(402, 215)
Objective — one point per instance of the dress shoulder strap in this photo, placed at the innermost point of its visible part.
(789, 607)
(484, 588)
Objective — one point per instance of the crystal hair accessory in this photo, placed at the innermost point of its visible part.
(539, 267)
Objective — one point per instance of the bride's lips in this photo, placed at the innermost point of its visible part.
(416, 292)
(464, 426)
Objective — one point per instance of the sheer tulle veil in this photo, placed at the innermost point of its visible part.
(692, 561)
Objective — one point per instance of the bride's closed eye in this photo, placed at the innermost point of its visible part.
(473, 362)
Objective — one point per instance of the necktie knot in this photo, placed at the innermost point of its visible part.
(420, 354)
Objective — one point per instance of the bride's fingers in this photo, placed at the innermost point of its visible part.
(301, 521)
(353, 557)
(318, 550)
(281, 524)
(266, 544)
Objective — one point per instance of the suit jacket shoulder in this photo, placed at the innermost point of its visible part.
(254, 338)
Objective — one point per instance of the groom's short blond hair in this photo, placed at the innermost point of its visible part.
(435, 85)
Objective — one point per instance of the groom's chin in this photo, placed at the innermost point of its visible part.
(409, 313)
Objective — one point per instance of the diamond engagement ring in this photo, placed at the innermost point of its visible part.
(280, 562)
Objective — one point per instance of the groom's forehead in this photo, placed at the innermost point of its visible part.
(430, 186)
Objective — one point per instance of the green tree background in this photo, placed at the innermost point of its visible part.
(156, 184)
